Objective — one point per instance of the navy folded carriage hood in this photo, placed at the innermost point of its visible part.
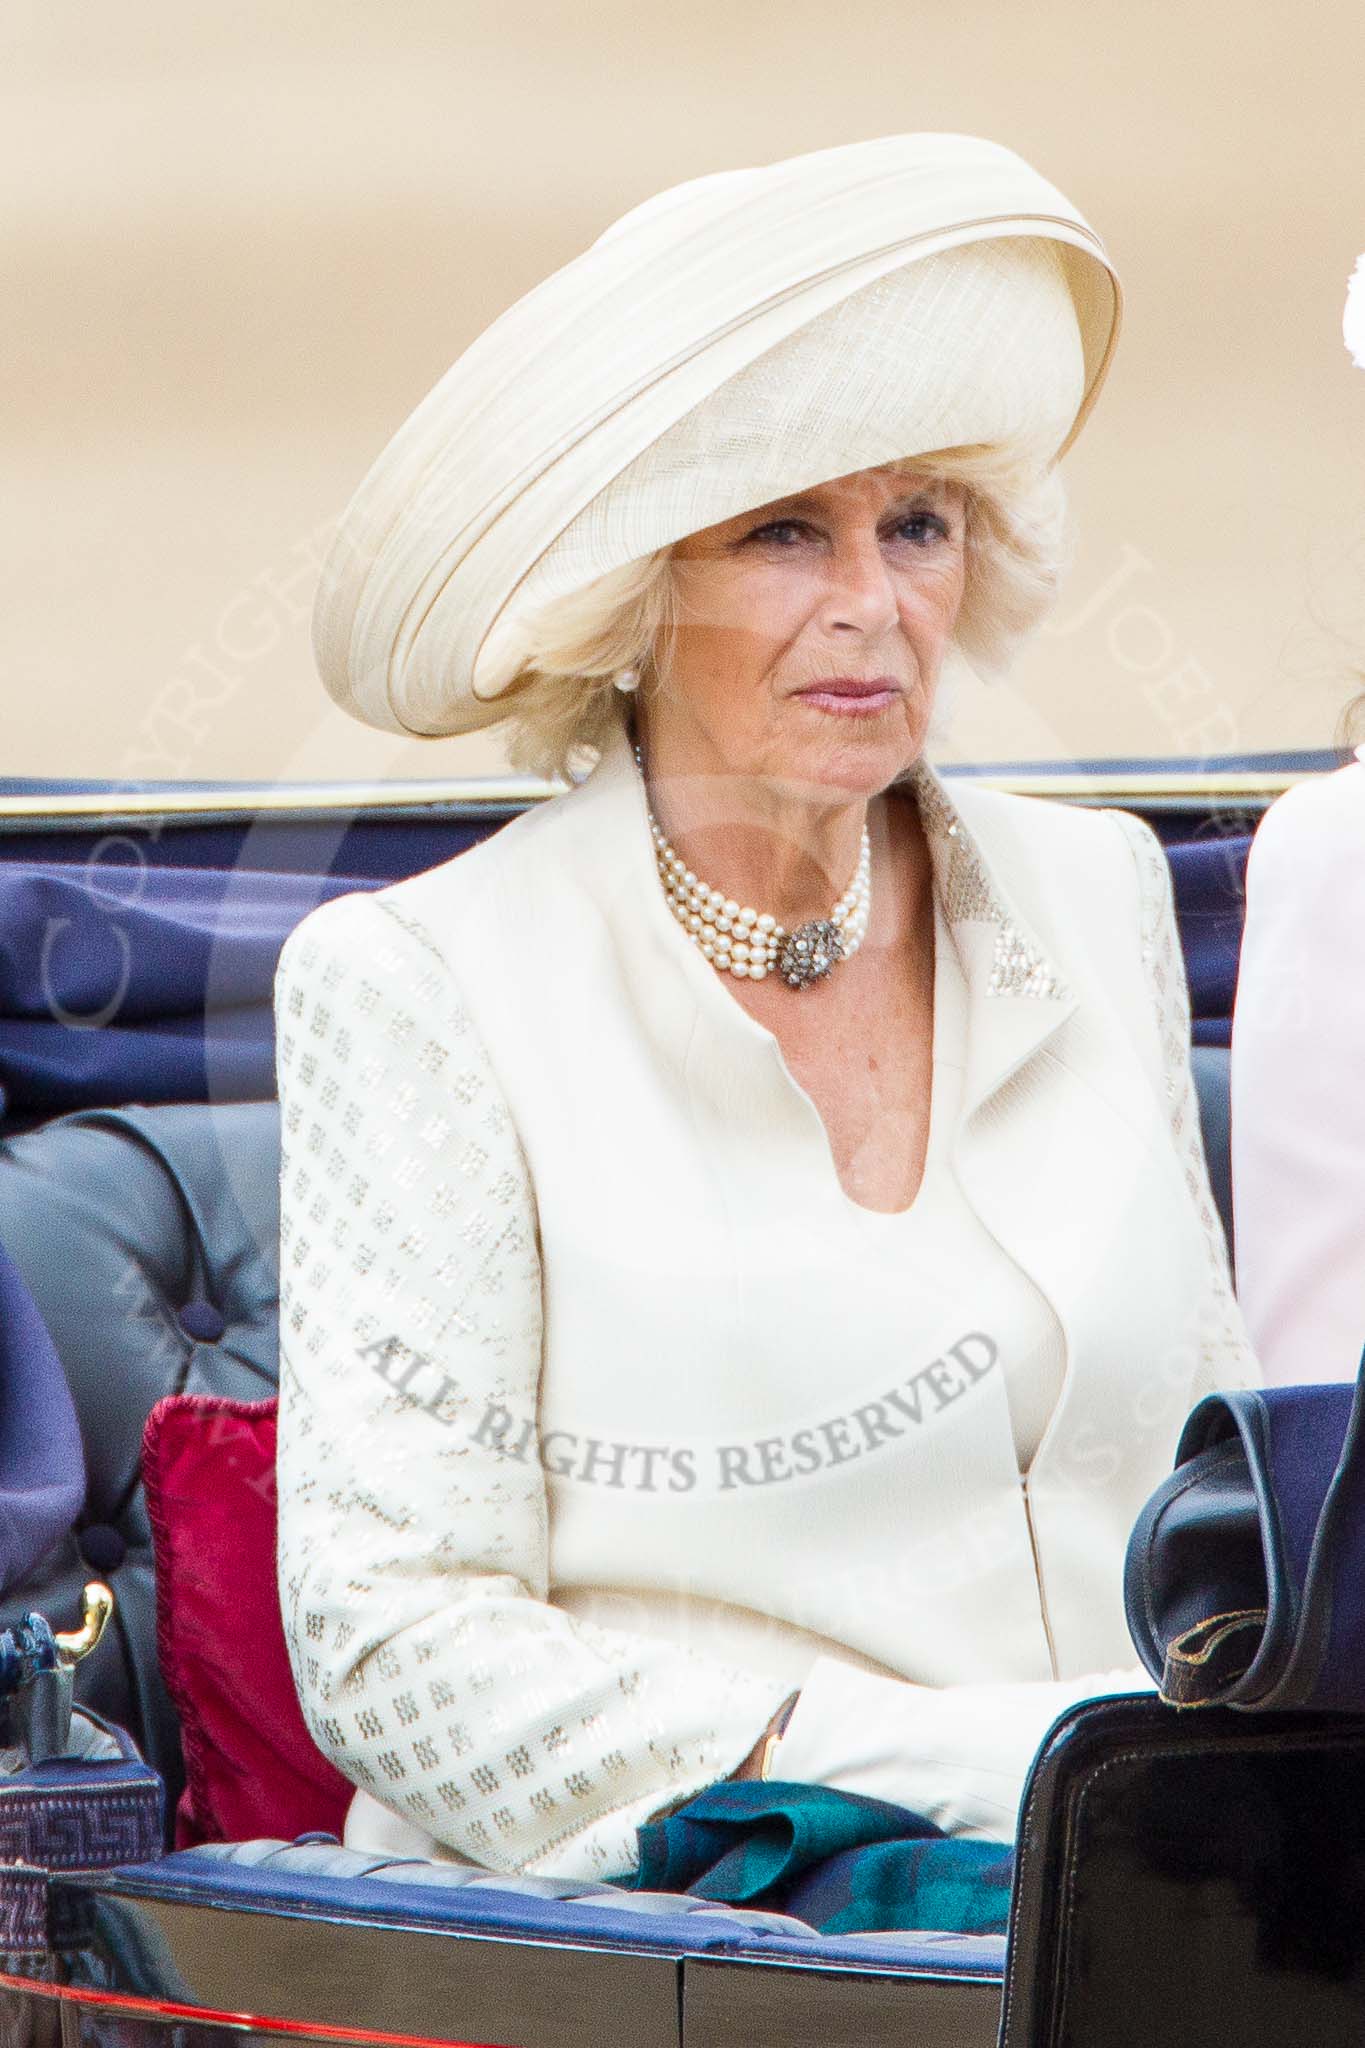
(42, 1468)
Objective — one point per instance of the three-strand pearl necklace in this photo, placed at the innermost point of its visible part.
(751, 944)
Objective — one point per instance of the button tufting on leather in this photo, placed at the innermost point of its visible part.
(102, 1547)
(202, 1321)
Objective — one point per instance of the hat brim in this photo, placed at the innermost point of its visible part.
(446, 542)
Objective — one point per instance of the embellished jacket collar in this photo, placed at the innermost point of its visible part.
(970, 894)
(1019, 996)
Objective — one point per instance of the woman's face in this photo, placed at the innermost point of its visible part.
(789, 613)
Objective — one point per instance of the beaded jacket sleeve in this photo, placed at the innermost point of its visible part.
(413, 1554)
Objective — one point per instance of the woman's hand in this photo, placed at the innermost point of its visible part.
(752, 1766)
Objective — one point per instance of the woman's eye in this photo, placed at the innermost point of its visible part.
(778, 529)
(923, 526)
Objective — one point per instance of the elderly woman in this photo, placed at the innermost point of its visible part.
(747, 1250)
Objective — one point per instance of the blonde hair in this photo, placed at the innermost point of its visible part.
(563, 700)
(1351, 725)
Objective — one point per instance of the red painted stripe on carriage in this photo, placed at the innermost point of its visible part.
(163, 2009)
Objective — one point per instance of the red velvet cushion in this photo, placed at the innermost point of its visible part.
(251, 1766)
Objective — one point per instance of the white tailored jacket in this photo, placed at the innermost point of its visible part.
(557, 1223)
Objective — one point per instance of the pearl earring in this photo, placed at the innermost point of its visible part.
(627, 679)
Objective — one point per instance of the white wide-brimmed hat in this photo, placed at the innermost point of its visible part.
(733, 340)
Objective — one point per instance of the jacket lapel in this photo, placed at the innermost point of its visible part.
(1018, 997)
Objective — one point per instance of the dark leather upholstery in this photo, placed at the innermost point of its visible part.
(1211, 1068)
(148, 1237)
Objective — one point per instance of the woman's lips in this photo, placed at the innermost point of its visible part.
(850, 698)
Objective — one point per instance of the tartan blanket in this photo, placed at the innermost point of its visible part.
(843, 1863)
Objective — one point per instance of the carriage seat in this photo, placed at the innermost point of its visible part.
(148, 1239)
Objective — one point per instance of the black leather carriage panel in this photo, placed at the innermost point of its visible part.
(1191, 1879)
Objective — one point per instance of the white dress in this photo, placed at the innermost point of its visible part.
(1298, 1107)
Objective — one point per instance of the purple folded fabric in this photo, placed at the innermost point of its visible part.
(162, 998)
(42, 1468)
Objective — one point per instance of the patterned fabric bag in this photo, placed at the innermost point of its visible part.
(74, 1797)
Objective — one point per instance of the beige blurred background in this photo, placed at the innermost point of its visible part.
(240, 242)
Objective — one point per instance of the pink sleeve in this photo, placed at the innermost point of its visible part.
(1298, 1084)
